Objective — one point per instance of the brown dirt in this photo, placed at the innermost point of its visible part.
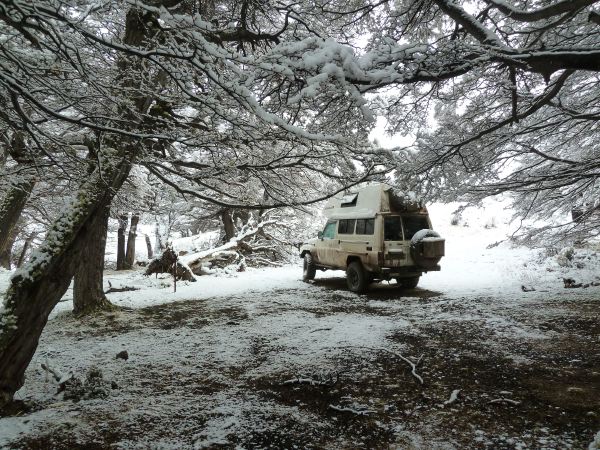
(551, 379)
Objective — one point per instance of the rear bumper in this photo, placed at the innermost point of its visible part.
(416, 271)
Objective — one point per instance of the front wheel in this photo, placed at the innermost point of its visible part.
(408, 283)
(356, 277)
(309, 270)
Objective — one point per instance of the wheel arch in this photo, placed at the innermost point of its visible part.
(352, 258)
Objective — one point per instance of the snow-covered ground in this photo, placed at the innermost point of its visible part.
(228, 361)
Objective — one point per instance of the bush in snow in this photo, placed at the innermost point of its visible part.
(565, 258)
(95, 386)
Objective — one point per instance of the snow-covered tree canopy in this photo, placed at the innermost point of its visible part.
(205, 91)
(512, 88)
(219, 96)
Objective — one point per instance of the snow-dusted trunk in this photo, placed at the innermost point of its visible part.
(121, 242)
(15, 199)
(228, 225)
(11, 208)
(130, 254)
(6, 254)
(88, 291)
(158, 245)
(25, 248)
(37, 287)
(148, 247)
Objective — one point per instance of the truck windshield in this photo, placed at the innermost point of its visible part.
(392, 229)
(412, 224)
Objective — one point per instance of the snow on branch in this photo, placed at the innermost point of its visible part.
(470, 24)
(546, 12)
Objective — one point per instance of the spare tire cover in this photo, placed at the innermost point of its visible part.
(416, 249)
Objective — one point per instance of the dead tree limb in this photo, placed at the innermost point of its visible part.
(112, 289)
(229, 252)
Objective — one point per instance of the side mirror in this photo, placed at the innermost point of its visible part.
(320, 235)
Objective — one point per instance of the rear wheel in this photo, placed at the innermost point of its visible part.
(408, 283)
(309, 270)
(356, 277)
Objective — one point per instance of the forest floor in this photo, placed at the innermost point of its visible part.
(262, 360)
(314, 366)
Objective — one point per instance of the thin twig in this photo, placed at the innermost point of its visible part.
(505, 400)
(413, 365)
(358, 412)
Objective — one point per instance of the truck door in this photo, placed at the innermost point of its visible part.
(394, 251)
(328, 242)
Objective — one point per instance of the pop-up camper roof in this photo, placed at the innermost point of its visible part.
(366, 202)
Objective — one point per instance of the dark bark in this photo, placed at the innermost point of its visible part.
(11, 208)
(546, 12)
(130, 254)
(148, 246)
(88, 290)
(31, 297)
(34, 293)
(228, 226)
(6, 254)
(121, 242)
(25, 248)
(15, 199)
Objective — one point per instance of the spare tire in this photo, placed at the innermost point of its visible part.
(421, 257)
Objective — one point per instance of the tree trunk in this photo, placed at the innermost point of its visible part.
(148, 247)
(130, 255)
(121, 242)
(88, 289)
(158, 245)
(11, 208)
(227, 224)
(35, 291)
(6, 254)
(26, 246)
(15, 199)
(33, 294)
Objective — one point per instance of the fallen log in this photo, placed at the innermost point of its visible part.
(231, 252)
(112, 289)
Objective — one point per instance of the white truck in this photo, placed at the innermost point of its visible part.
(375, 233)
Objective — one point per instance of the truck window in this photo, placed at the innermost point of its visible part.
(392, 230)
(329, 231)
(412, 224)
(346, 226)
(365, 226)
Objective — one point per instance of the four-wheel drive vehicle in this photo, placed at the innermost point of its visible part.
(374, 234)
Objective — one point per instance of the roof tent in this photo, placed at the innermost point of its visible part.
(366, 202)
